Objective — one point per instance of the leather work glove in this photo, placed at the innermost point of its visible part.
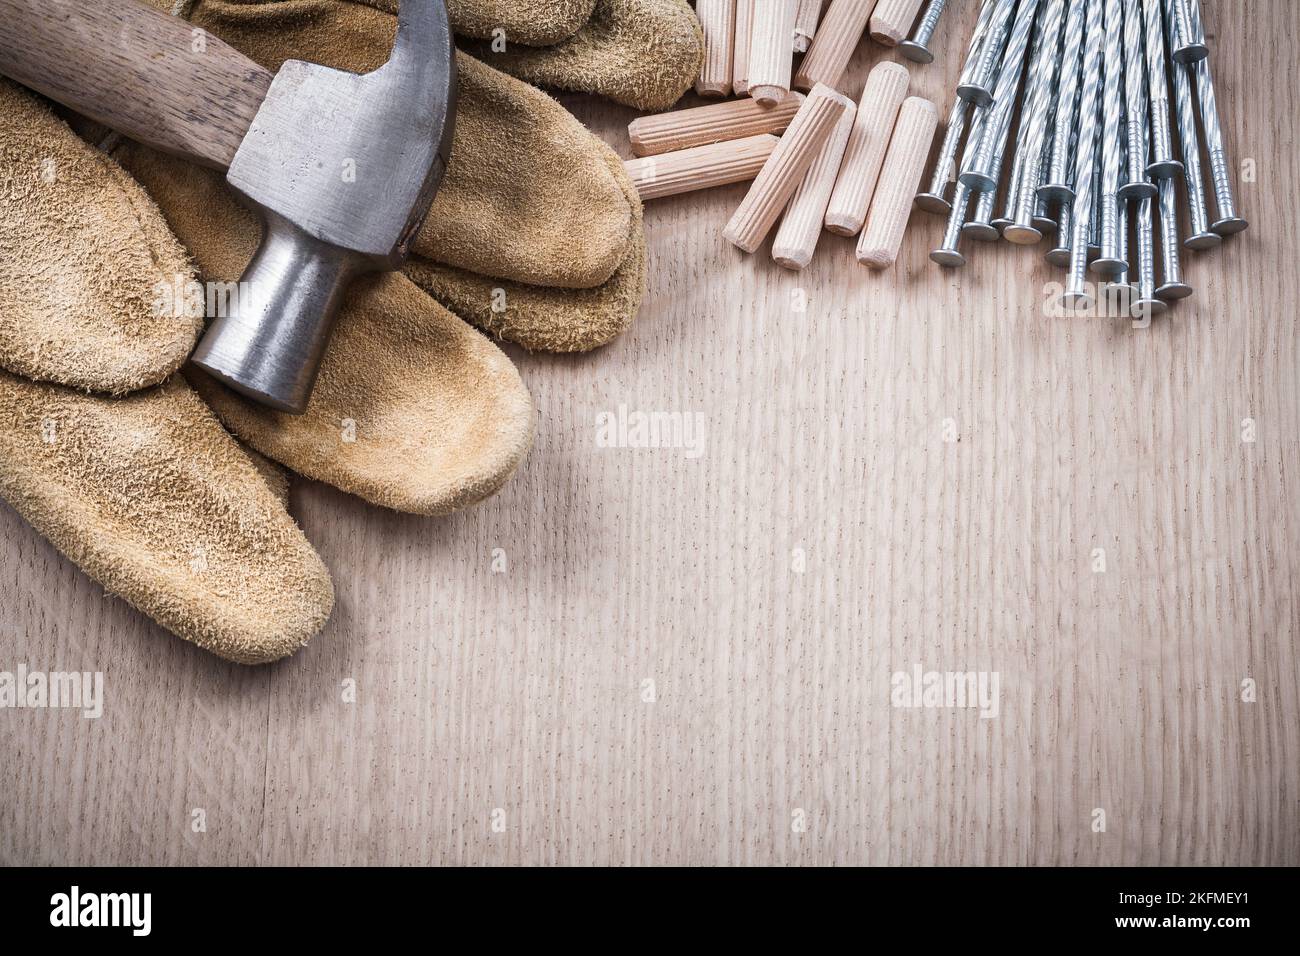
(147, 493)
(523, 21)
(536, 236)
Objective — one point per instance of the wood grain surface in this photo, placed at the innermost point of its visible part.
(903, 469)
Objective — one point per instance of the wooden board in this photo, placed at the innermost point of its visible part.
(828, 536)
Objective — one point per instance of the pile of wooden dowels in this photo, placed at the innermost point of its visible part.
(1094, 158)
(749, 44)
(820, 159)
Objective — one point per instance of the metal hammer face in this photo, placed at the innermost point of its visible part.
(342, 169)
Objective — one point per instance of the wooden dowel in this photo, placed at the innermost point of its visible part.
(883, 95)
(796, 240)
(718, 21)
(771, 50)
(703, 167)
(740, 47)
(837, 37)
(806, 17)
(908, 151)
(785, 168)
(892, 21)
(716, 123)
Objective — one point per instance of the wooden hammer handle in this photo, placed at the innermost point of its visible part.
(152, 77)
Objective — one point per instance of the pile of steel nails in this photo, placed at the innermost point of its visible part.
(1094, 153)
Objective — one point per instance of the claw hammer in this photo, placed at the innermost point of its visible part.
(340, 167)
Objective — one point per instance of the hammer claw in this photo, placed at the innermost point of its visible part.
(422, 25)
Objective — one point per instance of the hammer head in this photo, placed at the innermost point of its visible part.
(342, 168)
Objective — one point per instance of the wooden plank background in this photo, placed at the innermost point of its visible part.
(828, 536)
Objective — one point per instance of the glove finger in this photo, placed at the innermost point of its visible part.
(84, 253)
(151, 497)
(527, 195)
(549, 320)
(413, 409)
(538, 318)
(532, 22)
(641, 53)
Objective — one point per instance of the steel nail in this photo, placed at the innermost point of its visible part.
(1137, 184)
(1044, 221)
(917, 47)
(976, 86)
(1011, 202)
(934, 199)
(1109, 262)
(1121, 278)
(988, 12)
(1186, 40)
(1146, 251)
(948, 254)
(1076, 293)
(1094, 225)
(1173, 286)
(1059, 184)
(1059, 254)
(1229, 221)
(980, 225)
(1162, 165)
